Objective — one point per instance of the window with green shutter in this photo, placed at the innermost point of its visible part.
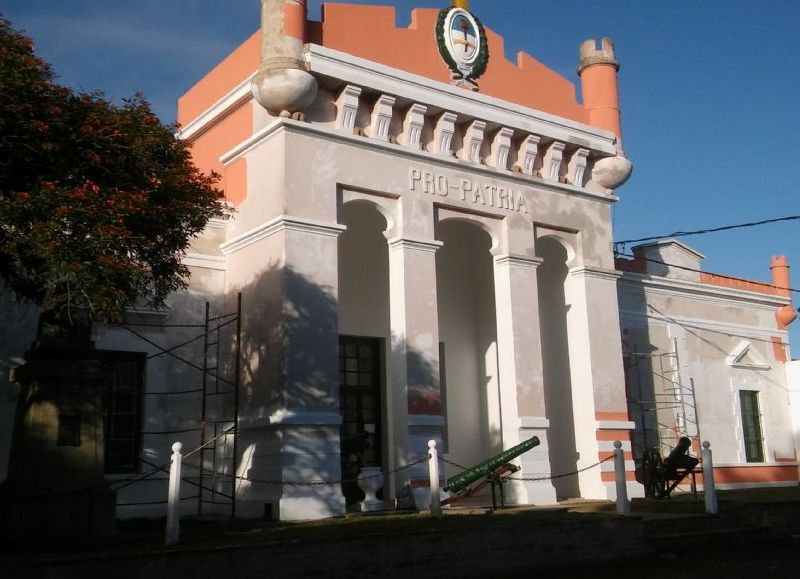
(751, 426)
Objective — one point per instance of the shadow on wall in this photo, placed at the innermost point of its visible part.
(289, 356)
(642, 367)
(290, 366)
(554, 314)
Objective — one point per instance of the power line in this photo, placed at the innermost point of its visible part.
(683, 267)
(710, 230)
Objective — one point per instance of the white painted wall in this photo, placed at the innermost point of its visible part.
(793, 379)
(363, 273)
(553, 315)
(467, 327)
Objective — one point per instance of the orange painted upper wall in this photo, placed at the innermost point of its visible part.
(222, 79)
(369, 32)
(741, 284)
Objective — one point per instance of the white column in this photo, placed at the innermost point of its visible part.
(174, 496)
(709, 485)
(520, 362)
(598, 381)
(289, 404)
(415, 397)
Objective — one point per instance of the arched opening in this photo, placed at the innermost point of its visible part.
(468, 335)
(553, 314)
(364, 331)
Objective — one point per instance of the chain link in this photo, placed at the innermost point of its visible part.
(536, 479)
(322, 483)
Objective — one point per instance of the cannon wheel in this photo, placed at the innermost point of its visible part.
(655, 480)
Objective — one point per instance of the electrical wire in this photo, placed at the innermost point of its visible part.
(710, 230)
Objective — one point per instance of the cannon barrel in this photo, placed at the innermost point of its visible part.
(487, 467)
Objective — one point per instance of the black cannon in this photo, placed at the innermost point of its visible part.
(662, 476)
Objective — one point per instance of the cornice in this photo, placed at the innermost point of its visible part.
(401, 151)
(694, 290)
(739, 330)
(205, 261)
(424, 245)
(595, 272)
(519, 261)
(281, 223)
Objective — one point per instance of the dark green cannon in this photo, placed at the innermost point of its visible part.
(488, 467)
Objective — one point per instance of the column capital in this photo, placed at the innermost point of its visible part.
(595, 272)
(518, 261)
(426, 245)
(277, 225)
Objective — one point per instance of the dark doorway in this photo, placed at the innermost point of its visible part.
(360, 398)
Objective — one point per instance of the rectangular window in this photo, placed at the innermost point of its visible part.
(751, 426)
(123, 412)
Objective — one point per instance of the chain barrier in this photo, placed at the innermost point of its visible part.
(537, 479)
(322, 483)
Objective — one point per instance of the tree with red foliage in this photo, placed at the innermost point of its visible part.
(98, 201)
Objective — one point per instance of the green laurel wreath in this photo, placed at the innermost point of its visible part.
(483, 56)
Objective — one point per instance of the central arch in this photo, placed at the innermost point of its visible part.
(468, 335)
(554, 311)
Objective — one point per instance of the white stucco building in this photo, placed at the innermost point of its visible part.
(424, 251)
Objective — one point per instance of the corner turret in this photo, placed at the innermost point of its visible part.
(598, 70)
(780, 279)
(282, 84)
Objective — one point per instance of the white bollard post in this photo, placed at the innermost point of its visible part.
(709, 487)
(433, 470)
(623, 504)
(174, 496)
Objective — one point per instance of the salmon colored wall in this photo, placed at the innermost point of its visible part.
(369, 32)
(219, 139)
(612, 435)
(294, 20)
(752, 286)
(226, 76)
(601, 97)
(779, 350)
(611, 476)
(757, 474)
(235, 181)
(619, 416)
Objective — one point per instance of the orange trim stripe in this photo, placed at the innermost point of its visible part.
(612, 416)
(612, 435)
(609, 476)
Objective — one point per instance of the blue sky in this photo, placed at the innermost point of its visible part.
(709, 92)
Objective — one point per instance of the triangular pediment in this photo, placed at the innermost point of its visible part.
(744, 355)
